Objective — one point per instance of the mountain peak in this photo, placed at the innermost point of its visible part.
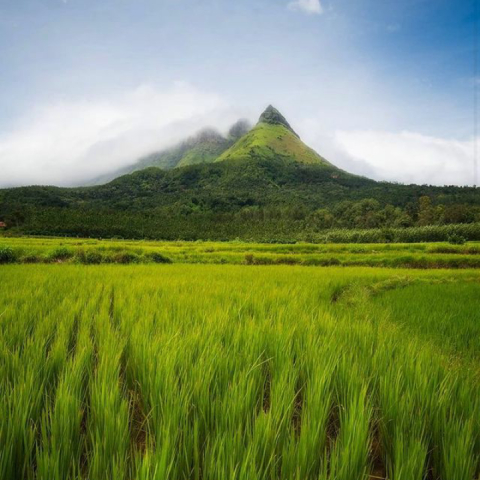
(272, 139)
(272, 116)
(239, 129)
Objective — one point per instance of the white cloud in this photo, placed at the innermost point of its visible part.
(407, 157)
(307, 6)
(73, 141)
(395, 156)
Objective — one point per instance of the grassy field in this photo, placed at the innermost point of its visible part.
(91, 251)
(238, 372)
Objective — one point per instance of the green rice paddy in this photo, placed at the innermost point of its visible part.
(93, 251)
(182, 371)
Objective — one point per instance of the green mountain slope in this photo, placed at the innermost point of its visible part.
(204, 147)
(264, 200)
(271, 138)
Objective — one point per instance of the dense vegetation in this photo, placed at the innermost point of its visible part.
(268, 141)
(88, 251)
(268, 186)
(234, 372)
(265, 200)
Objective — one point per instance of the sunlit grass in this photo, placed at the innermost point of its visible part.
(237, 372)
(91, 251)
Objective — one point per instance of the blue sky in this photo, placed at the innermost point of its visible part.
(380, 87)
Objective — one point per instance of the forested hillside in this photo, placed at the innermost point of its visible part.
(268, 186)
(248, 199)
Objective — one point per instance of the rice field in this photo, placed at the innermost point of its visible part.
(178, 371)
(97, 251)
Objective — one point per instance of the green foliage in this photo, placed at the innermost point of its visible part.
(7, 254)
(264, 200)
(89, 257)
(411, 304)
(375, 254)
(157, 257)
(456, 239)
(60, 253)
(269, 141)
(431, 233)
(238, 372)
(126, 257)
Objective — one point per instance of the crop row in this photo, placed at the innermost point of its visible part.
(28, 250)
(204, 372)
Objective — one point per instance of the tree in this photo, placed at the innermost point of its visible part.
(321, 219)
(426, 214)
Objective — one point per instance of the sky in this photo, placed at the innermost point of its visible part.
(382, 88)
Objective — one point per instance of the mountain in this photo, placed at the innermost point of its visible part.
(203, 147)
(267, 186)
(272, 137)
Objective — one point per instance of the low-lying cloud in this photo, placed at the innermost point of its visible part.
(73, 142)
(69, 143)
(407, 157)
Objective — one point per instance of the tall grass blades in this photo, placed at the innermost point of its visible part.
(209, 372)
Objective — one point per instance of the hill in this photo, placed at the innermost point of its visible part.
(272, 137)
(267, 186)
(204, 147)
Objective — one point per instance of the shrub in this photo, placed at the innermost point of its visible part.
(31, 259)
(388, 235)
(157, 257)
(429, 233)
(456, 239)
(249, 259)
(126, 257)
(89, 257)
(60, 253)
(7, 255)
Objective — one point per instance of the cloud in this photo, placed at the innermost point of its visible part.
(407, 157)
(395, 156)
(307, 6)
(70, 142)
